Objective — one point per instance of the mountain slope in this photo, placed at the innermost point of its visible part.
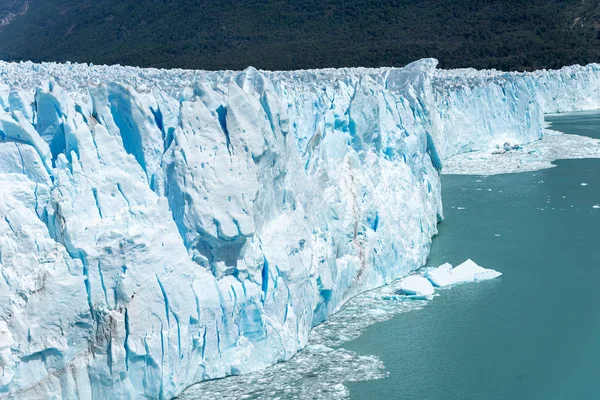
(287, 34)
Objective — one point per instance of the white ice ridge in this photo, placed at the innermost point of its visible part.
(159, 228)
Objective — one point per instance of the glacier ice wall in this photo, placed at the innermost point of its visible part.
(478, 109)
(159, 228)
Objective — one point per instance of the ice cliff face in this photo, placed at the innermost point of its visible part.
(159, 228)
(474, 109)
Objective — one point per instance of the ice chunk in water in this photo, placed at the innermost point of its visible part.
(487, 275)
(416, 285)
(468, 271)
(441, 276)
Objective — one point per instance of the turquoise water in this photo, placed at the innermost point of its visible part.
(533, 333)
(586, 123)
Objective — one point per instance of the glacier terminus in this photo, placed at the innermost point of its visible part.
(159, 228)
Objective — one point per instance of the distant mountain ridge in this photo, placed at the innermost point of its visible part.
(299, 34)
(11, 10)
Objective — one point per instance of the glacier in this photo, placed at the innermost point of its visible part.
(159, 228)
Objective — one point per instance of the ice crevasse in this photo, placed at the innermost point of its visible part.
(163, 227)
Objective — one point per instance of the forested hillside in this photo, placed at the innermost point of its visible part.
(294, 34)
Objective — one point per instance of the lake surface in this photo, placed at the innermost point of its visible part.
(585, 123)
(533, 333)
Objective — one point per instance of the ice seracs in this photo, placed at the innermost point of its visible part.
(154, 238)
(468, 271)
(164, 227)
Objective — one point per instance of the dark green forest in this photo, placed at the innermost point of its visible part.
(294, 34)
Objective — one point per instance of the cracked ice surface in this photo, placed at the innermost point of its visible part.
(159, 228)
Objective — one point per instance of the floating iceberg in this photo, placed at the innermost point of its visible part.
(441, 276)
(468, 271)
(416, 285)
(159, 228)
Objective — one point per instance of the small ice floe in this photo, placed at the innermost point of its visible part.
(460, 208)
(469, 271)
(416, 287)
(596, 206)
(497, 235)
(583, 184)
